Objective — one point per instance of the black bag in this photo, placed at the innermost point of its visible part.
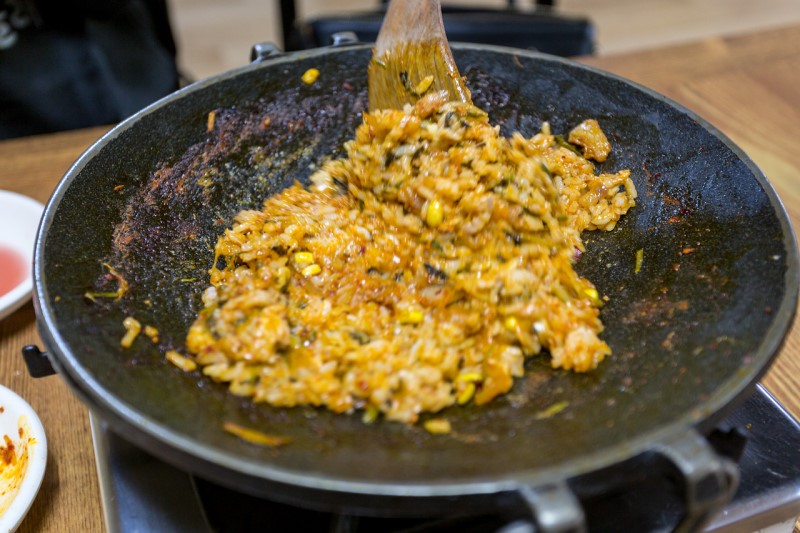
(72, 64)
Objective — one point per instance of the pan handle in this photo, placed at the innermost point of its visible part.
(37, 361)
(709, 480)
(554, 509)
(704, 479)
(262, 51)
(344, 38)
(267, 50)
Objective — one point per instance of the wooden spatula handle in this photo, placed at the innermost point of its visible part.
(409, 21)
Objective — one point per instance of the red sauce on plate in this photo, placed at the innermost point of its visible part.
(13, 269)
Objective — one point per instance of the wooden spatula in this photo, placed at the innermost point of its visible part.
(412, 57)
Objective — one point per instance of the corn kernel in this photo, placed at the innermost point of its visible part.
(466, 395)
(303, 257)
(311, 270)
(411, 316)
(434, 215)
(310, 76)
(511, 323)
(594, 296)
(470, 377)
(282, 275)
(437, 426)
(423, 86)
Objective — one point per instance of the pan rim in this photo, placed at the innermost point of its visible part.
(98, 396)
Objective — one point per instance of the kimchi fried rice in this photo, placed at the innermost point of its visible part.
(417, 273)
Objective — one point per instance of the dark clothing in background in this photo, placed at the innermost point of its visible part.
(68, 64)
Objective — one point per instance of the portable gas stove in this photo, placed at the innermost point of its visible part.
(141, 493)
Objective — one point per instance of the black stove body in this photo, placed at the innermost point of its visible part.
(141, 493)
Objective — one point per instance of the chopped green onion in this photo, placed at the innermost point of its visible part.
(639, 260)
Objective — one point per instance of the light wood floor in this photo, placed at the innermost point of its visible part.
(215, 35)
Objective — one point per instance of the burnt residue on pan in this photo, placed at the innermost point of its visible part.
(174, 220)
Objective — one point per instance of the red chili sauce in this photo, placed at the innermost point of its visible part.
(13, 269)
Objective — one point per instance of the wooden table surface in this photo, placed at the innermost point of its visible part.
(747, 86)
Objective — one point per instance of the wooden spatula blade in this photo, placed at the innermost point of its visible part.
(412, 57)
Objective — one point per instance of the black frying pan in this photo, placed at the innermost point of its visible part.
(691, 331)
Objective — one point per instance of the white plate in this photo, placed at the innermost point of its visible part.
(19, 220)
(16, 413)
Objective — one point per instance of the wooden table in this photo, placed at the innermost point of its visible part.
(747, 86)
